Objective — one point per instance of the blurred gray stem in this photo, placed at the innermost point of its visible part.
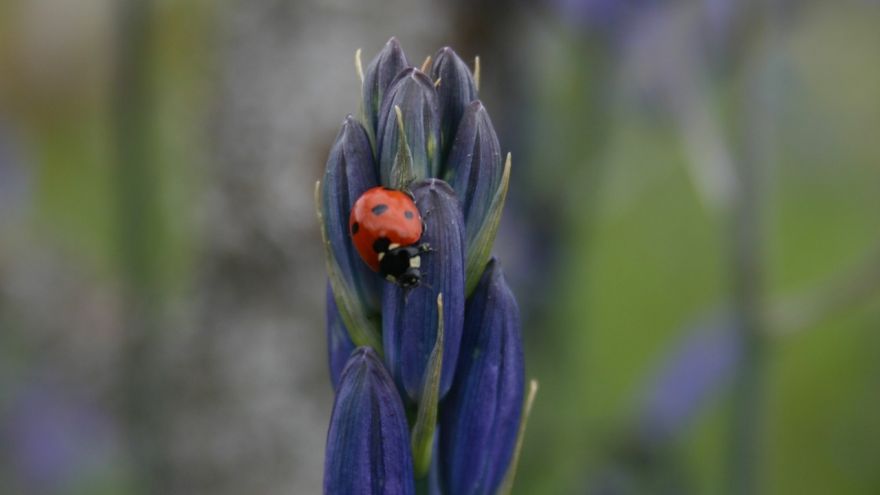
(137, 235)
(750, 128)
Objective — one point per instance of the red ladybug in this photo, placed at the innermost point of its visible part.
(385, 227)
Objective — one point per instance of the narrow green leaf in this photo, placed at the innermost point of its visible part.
(507, 484)
(402, 171)
(363, 330)
(426, 420)
(479, 251)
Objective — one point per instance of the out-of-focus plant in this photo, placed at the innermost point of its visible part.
(394, 351)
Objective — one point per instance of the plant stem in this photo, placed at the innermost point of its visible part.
(747, 263)
(138, 232)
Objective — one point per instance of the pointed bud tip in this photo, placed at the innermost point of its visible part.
(364, 355)
(415, 74)
(476, 106)
(435, 184)
(347, 123)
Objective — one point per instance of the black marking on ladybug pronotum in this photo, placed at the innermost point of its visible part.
(379, 209)
(381, 245)
(355, 227)
(401, 264)
(409, 215)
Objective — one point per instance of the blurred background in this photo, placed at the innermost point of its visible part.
(692, 231)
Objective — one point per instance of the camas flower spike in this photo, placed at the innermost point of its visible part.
(408, 208)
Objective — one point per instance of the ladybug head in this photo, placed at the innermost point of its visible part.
(401, 264)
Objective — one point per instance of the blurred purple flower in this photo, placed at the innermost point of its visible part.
(608, 16)
(702, 364)
(52, 438)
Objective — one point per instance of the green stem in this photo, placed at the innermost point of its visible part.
(138, 235)
(747, 267)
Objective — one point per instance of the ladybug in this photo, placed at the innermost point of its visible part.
(386, 226)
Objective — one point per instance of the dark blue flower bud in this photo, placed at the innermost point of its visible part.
(339, 344)
(350, 171)
(409, 317)
(480, 418)
(409, 131)
(455, 90)
(475, 171)
(368, 446)
(475, 166)
(381, 72)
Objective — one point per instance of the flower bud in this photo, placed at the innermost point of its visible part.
(475, 171)
(350, 171)
(480, 419)
(381, 72)
(368, 450)
(475, 167)
(339, 344)
(455, 91)
(409, 317)
(409, 131)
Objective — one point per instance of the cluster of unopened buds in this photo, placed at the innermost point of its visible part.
(424, 335)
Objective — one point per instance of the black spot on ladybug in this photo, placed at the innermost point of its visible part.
(408, 214)
(379, 209)
(381, 245)
(354, 228)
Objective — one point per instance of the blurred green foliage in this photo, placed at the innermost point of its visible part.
(655, 257)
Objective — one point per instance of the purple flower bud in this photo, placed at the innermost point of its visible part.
(480, 418)
(409, 128)
(368, 449)
(455, 91)
(409, 317)
(339, 344)
(474, 167)
(350, 171)
(381, 72)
